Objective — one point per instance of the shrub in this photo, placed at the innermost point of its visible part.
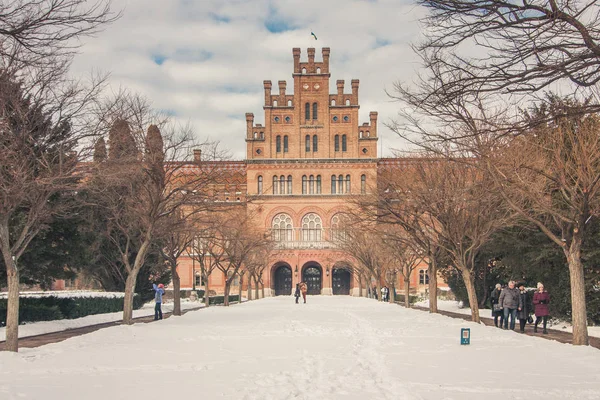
(49, 308)
(412, 299)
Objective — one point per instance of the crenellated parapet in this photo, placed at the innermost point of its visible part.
(311, 67)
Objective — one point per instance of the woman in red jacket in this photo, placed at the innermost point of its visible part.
(541, 298)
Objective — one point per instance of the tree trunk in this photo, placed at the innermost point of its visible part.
(262, 288)
(240, 289)
(128, 300)
(432, 272)
(485, 287)
(378, 288)
(256, 283)
(226, 293)
(578, 305)
(12, 312)
(470, 285)
(249, 287)
(392, 291)
(176, 288)
(407, 291)
(206, 290)
(360, 288)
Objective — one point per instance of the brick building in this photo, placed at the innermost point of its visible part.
(300, 168)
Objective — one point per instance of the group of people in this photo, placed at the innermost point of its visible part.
(301, 289)
(513, 301)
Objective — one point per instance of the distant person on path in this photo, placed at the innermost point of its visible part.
(510, 300)
(541, 299)
(524, 310)
(297, 292)
(497, 311)
(159, 291)
(303, 290)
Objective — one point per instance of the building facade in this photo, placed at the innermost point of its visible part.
(301, 167)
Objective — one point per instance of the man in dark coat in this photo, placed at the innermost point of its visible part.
(523, 312)
(510, 300)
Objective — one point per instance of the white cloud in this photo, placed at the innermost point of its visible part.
(215, 55)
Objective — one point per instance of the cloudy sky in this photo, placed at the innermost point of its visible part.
(204, 61)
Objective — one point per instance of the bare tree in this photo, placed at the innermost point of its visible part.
(499, 46)
(551, 176)
(406, 257)
(239, 238)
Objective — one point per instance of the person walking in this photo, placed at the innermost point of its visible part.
(510, 301)
(523, 312)
(541, 299)
(303, 290)
(297, 292)
(497, 311)
(158, 294)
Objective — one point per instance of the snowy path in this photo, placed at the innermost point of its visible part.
(330, 348)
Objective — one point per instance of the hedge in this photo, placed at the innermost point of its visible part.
(411, 299)
(49, 308)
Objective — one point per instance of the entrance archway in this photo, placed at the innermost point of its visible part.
(283, 280)
(312, 274)
(340, 278)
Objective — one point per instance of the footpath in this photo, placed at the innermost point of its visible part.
(55, 337)
(553, 334)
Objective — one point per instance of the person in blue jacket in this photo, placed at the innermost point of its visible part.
(158, 294)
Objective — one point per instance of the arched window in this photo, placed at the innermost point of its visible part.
(336, 143)
(314, 110)
(289, 184)
(274, 103)
(275, 184)
(281, 228)
(333, 184)
(262, 135)
(315, 143)
(337, 231)
(304, 184)
(255, 135)
(311, 184)
(318, 70)
(259, 189)
(285, 144)
(347, 183)
(423, 277)
(368, 133)
(278, 144)
(303, 70)
(307, 111)
(333, 102)
(347, 102)
(363, 184)
(282, 184)
(307, 143)
(312, 228)
(289, 103)
(318, 184)
(344, 143)
(360, 134)
(341, 184)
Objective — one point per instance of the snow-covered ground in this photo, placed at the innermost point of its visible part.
(453, 306)
(41, 327)
(334, 347)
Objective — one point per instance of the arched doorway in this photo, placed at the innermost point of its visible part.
(283, 280)
(340, 281)
(312, 274)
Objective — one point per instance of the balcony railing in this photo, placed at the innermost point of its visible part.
(298, 238)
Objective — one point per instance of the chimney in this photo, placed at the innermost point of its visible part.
(340, 88)
(296, 53)
(249, 124)
(282, 85)
(325, 51)
(373, 118)
(355, 92)
(267, 85)
(197, 155)
(311, 59)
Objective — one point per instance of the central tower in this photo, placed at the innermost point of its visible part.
(311, 123)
